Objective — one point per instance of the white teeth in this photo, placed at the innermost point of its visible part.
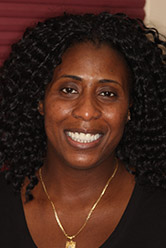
(82, 137)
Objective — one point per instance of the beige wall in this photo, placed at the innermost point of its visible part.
(156, 14)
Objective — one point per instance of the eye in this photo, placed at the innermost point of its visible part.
(107, 94)
(68, 90)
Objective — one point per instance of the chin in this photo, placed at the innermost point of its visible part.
(83, 164)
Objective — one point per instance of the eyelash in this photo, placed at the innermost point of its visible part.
(68, 90)
(107, 94)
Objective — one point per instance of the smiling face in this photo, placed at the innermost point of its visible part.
(86, 105)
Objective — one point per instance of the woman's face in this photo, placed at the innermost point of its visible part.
(86, 105)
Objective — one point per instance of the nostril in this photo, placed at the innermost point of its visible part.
(86, 114)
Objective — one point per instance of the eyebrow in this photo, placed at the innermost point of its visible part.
(108, 81)
(72, 77)
(80, 79)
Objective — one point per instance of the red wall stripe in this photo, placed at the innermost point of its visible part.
(16, 15)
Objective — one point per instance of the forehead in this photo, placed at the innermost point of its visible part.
(93, 60)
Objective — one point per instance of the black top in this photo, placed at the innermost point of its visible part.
(143, 224)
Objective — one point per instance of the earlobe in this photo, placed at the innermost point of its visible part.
(41, 108)
(129, 115)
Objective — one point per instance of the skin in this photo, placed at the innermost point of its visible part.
(87, 108)
(89, 93)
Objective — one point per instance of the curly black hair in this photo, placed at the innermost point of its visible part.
(29, 69)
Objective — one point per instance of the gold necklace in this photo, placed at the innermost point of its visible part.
(70, 243)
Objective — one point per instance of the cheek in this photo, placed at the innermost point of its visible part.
(52, 118)
(116, 118)
(55, 112)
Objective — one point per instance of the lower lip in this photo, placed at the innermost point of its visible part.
(79, 145)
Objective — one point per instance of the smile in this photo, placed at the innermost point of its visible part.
(83, 137)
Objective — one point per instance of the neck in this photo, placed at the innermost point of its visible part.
(65, 182)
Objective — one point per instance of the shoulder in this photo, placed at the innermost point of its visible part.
(5, 187)
(149, 215)
(8, 198)
(144, 223)
(155, 198)
(13, 229)
(10, 204)
(150, 203)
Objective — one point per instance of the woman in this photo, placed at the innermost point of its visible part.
(83, 143)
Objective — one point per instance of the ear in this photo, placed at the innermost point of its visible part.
(41, 107)
(129, 113)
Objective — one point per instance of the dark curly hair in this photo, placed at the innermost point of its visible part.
(30, 67)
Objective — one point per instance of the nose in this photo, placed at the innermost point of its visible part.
(86, 109)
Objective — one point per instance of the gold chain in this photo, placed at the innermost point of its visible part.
(70, 237)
